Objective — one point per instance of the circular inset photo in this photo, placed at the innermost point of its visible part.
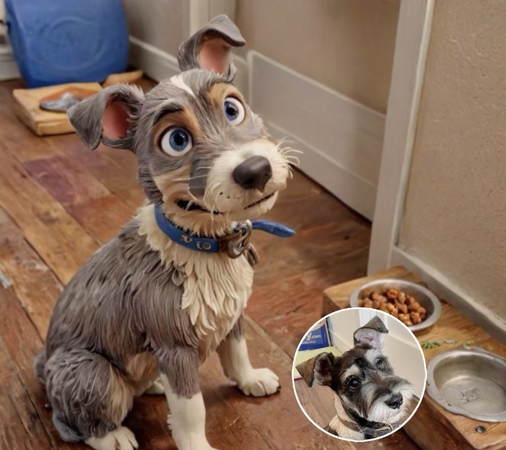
(359, 374)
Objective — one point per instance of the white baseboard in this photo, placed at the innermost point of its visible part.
(154, 62)
(342, 140)
(449, 291)
(8, 67)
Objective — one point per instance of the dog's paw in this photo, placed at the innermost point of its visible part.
(186, 440)
(119, 439)
(259, 383)
(156, 388)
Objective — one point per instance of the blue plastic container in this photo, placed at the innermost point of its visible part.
(63, 41)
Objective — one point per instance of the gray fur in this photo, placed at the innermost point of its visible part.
(86, 116)
(222, 27)
(125, 301)
(219, 136)
(91, 338)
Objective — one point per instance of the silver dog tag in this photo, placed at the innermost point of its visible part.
(252, 255)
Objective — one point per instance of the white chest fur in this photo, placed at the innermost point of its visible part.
(216, 287)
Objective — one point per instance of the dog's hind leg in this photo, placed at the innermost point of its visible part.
(234, 358)
(90, 399)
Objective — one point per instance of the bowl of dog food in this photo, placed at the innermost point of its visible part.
(414, 305)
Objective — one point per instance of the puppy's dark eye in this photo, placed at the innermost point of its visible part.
(176, 141)
(234, 110)
(353, 383)
(381, 364)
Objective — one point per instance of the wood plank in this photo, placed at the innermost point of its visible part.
(20, 140)
(14, 323)
(21, 427)
(100, 213)
(33, 282)
(308, 249)
(102, 217)
(27, 106)
(61, 242)
(116, 176)
(317, 401)
(286, 307)
(68, 182)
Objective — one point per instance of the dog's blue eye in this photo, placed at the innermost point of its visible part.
(176, 141)
(234, 110)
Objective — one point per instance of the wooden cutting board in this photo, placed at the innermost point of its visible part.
(43, 122)
(433, 427)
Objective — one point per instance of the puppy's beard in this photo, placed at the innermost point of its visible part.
(380, 412)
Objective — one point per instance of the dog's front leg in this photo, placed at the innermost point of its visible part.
(234, 358)
(187, 413)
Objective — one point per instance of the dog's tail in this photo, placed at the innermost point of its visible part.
(39, 365)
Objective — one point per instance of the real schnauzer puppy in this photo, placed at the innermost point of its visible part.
(370, 400)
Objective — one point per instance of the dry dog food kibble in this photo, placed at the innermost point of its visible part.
(397, 303)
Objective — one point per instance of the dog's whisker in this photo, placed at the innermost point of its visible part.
(294, 161)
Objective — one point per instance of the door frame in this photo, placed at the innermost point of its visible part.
(411, 48)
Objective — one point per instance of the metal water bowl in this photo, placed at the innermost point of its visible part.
(471, 383)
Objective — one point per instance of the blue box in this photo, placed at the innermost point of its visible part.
(317, 338)
(66, 41)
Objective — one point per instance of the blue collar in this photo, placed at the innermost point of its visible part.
(234, 243)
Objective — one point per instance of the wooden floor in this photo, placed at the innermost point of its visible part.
(60, 201)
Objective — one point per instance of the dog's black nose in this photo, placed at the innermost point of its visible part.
(395, 401)
(253, 173)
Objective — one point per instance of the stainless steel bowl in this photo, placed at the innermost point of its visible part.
(425, 297)
(471, 383)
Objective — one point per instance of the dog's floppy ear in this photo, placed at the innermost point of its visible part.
(371, 333)
(210, 48)
(317, 370)
(108, 116)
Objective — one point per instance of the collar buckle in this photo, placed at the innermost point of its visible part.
(239, 241)
(378, 432)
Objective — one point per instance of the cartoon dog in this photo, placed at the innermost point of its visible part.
(150, 305)
(370, 400)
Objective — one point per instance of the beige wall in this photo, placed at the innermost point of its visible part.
(157, 22)
(347, 45)
(455, 217)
